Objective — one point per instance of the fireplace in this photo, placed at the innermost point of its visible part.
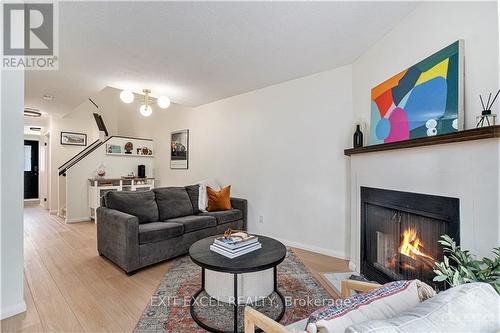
(400, 233)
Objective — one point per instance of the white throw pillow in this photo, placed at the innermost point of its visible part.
(203, 197)
(381, 303)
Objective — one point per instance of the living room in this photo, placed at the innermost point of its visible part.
(266, 98)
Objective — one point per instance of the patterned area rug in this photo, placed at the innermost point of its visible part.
(168, 310)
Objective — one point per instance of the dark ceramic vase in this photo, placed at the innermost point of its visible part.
(357, 138)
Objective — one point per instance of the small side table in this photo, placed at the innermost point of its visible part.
(223, 278)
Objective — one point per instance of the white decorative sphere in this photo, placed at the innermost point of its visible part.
(127, 96)
(432, 131)
(145, 110)
(431, 123)
(163, 102)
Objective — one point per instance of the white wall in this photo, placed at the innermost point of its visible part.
(258, 141)
(79, 120)
(281, 148)
(429, 28)
(11, 193)
(466, 170)
(76, 181)
(469, 171)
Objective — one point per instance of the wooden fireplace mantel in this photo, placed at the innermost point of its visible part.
(466, 135)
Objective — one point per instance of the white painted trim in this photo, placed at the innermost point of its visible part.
(12, 310)
(320, 250)
(53, 212)
(78, 219)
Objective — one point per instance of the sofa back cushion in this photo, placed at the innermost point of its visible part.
(173, 202)
(194, 195)
(141, 204)
(380, 303)
(471, 307)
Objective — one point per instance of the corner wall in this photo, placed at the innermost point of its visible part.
(79, 120)
(469, 171)
(281, 148)
(11, 193)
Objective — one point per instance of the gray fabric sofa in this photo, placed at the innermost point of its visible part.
(138, 229)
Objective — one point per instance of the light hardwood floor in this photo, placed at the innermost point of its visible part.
(69, 288)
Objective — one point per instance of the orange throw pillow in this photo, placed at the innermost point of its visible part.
(219, 200)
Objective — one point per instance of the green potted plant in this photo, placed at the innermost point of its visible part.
(460, 266)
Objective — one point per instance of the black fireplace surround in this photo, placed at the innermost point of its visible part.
(400, 233)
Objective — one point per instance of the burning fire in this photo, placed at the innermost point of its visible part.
(411, 245)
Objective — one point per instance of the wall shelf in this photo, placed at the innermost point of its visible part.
(129, 155)
(466, 135)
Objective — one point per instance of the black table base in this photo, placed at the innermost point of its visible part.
(235, 304)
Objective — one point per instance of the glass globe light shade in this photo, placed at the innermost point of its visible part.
(145, 110)
(127, 96)
(163, 102)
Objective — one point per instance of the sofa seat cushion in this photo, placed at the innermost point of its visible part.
(141, 204)
(194, 222)
(159, 231)
(225, 216)
(173, 202)
(471, 307)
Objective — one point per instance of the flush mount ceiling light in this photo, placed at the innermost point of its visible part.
(31, 112)
(145, 109)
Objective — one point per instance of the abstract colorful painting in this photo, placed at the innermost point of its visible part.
(423, 100)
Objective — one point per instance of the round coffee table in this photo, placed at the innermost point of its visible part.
(251, 276)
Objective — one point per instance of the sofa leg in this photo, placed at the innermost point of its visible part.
(131, 272)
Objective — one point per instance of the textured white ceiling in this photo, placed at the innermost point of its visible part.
(199, 52)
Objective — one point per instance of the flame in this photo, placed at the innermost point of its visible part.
(411, 245)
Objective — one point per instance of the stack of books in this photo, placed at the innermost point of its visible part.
(235, 245)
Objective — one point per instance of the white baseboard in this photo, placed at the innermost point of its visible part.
(317, 249)
(53, 211)
(12, 310)
(78, 219)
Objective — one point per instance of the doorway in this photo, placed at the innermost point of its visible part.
(31, 169)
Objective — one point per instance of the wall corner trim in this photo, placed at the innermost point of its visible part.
(320, 250)
(12, 310)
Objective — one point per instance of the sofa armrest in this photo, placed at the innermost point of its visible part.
(241, 204)
(348, 286)
(254, 319)
(118, 237)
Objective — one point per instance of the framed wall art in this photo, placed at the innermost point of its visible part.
(179, 150)
(424, 100)
(73, 139)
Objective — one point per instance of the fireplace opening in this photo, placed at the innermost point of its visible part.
(400, 233)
